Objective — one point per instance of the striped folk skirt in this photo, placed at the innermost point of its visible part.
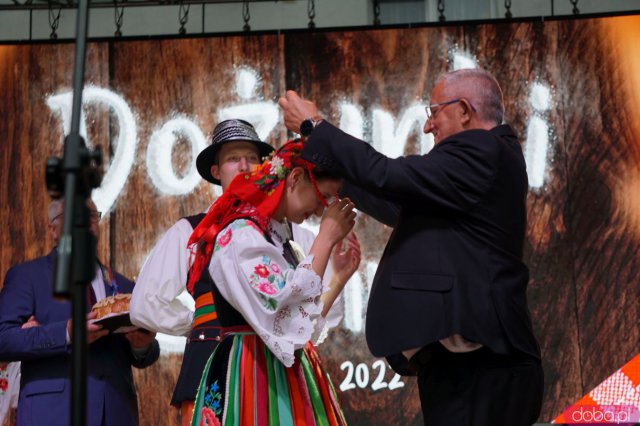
(244, 384)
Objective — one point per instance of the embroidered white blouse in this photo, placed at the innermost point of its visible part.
(280, 303)
(160, 301)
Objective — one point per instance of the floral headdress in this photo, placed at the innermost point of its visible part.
(254, 195)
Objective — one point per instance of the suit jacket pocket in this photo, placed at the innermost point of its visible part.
(421, 282)
(44, 386)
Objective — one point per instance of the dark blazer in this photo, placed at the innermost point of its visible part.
(45, 383)
(453, 263)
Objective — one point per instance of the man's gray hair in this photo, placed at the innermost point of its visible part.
(480, 88)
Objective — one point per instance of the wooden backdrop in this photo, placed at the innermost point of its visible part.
(584, 222)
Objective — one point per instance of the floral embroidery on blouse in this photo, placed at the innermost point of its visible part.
(225, 237)
(262, 271)
(267, 279)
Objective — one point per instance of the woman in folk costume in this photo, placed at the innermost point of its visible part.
(269, 297)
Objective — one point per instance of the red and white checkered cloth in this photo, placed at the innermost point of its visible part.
(614, 401)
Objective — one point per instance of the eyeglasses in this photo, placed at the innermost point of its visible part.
(432, 110)
(94, 215)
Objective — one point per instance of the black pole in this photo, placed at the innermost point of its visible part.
(77, 245)
(83, 271)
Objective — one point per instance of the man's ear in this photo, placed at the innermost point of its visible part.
(215, 171)
(465, 111)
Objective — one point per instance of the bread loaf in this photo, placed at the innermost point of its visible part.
(117, 304)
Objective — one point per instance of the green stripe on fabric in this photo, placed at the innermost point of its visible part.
(284, 401)
(319, 411)
(334, 398)
(202, 389)
(274, 418)
(231, 413)
(203, 310)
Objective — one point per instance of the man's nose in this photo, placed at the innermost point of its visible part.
(428, 126)
(244, 165)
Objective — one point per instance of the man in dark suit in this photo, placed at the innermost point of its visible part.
(27, 295)
(448, 301)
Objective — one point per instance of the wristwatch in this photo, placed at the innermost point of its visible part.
(307, 126)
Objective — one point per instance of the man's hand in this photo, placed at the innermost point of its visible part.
(94, 331)
(296, 110)
(140, 339)
(31, 322)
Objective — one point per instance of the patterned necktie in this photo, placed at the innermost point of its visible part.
(91, 297)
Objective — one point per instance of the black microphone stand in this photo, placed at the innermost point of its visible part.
(77, 175)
